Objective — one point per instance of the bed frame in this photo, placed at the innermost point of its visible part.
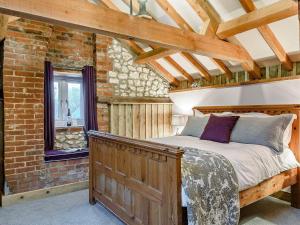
(140, 181)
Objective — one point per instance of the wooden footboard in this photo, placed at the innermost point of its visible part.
(139, 181)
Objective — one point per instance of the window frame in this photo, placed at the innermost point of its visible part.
(63, 79)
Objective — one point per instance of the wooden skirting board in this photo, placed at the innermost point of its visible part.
(8, 200)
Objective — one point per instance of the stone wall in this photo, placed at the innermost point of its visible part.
(133, 80)
(67, 138)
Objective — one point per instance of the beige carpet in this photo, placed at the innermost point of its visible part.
(74, 209)
(270, 211)
(258, 221)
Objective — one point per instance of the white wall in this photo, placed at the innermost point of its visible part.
(279, 92)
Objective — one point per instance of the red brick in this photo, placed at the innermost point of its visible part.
(28, 45)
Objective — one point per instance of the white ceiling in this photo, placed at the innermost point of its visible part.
(286, 31)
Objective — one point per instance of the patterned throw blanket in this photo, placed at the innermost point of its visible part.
(211, 186)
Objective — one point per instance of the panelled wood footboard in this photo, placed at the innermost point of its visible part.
(139, 181)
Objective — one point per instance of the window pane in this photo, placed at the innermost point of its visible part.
(56, 101)
(74, 99)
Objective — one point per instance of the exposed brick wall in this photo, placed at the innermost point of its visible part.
(27, 46)
(70, 49)
(25, 51)
(103, 65)
(64, 172)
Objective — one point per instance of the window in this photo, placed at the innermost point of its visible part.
(68, 100)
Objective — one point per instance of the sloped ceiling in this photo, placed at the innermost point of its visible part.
(286, 31)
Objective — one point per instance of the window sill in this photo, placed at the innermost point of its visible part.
(57, 155)
(71, 128)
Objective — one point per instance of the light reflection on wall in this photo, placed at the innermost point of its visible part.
(280, 92)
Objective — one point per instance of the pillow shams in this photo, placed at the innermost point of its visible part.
(194, 126)
(287, 135)
(267, 131)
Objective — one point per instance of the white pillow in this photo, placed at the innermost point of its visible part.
(197, 113)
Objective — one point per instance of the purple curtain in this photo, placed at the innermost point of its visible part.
(89, 96)
(49, 122)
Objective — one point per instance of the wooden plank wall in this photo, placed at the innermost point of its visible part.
(141, 120)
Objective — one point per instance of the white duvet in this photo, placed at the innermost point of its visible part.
(252, 163)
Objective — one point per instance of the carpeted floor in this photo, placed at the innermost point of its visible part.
(74, 209)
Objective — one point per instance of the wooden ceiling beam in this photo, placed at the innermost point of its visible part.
(184, 25)
(203, 6)
(259, 17)
(207, 14)
(270, 38)
(169, 9)
(156, 66)
(154, 54)
(139, 51)
(197, 65)
(171, 61)
(222, 67)
(86, 16)
(179, 68)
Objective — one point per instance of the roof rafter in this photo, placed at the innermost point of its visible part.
(168, 8)
(165, 5)
(259, 17)
(195, 63)
(203, 6)
(156, 66)
(269, 37)
(156, 55)
(139, 51)
(184, 25)
(179, 68)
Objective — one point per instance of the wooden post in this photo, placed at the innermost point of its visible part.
(92, 145)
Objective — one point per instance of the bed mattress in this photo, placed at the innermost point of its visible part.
(252, 163)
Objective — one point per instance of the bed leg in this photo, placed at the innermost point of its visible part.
(92, 199)
(184, 216)
(295, 193)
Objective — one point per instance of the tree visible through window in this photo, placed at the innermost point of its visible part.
(68, 99)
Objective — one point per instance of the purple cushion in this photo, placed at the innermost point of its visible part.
(219, 128)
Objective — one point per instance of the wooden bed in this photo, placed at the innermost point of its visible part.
(140, 181)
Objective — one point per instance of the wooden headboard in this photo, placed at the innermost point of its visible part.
(268, 109)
